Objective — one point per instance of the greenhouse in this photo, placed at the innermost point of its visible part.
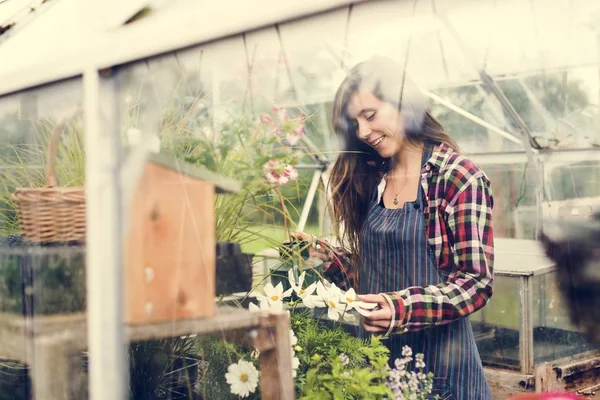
(157, 158)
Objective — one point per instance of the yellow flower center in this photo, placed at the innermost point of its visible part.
(331, 304)
(349, 300)
(301, 291)
(244, 378)
(275, 298)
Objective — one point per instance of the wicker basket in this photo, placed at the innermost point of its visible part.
(51, 214)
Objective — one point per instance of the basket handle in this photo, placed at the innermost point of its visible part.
(53, 147)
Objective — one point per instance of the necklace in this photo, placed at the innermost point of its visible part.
(396, 201)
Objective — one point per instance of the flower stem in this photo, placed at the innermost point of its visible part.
(286, 232)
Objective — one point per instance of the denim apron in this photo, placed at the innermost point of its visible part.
(395, 254)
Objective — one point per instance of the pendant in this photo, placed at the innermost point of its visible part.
(395, 201)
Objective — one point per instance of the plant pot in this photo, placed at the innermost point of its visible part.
(279, 273)
(294, 249)
(313, 268)
(234, 269)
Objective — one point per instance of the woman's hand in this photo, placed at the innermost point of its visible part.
(378, 320)
(312, 251)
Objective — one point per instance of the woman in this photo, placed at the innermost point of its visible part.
(416, 220)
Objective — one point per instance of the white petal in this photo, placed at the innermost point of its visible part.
(270, 290)
(366, 306)
(321, 291)
(287, 293)
(301, 279)
(293, 338)
(291, 278)
(310, 289)
(350, 293)
(253, 307)
(333, 315)
(276, 305)
(316, 301)
(279, 289)
(349, 317)
(362, 311)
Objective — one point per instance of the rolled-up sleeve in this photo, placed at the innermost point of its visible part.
(468, 287)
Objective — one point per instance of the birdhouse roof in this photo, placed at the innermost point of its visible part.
(222, 183)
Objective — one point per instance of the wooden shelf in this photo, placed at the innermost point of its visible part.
(50, 345)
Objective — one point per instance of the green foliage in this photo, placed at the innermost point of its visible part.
(362, 378)
(216, 355)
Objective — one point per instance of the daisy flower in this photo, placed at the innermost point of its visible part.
(242, 378)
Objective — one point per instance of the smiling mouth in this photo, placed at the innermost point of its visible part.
(375, 142)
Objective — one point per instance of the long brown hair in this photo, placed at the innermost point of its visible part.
(358, 168)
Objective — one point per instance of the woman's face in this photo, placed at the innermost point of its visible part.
(378, 123)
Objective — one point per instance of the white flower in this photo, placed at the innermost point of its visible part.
(419, 363)
(306, 295)
(242, 377)
(264, 306)
(353, 303)
(293, 338)
(295, 363)
(275, 296)
(344, 359)
(406, 351)
(330, 298)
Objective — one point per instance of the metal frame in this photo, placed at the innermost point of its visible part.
(188, 30)
(526, 329)
(104, 253)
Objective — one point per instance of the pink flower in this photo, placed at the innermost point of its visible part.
(290, 172)
(277, 173)
(265, 119)
(281, 113)
(272, 179)
(295, 135)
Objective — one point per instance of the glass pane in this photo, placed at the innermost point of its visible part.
(515, 204)
(554, 336)
(42, 229)
(572, 189)
(496, 327)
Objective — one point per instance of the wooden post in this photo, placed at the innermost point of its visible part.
(273, 342)
(545, 378)
(51, 368)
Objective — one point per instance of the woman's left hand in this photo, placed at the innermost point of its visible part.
(378, 320)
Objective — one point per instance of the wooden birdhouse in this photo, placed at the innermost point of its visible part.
(170, 242)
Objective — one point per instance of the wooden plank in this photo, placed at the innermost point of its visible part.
(12, 346)
(222, 183)
(223, 322)
(170, 251)
(226, 318)
(575, 367)
(504, 384)
(273, 342)
(41, 324)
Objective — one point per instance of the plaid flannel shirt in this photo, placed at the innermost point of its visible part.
(459, 230)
